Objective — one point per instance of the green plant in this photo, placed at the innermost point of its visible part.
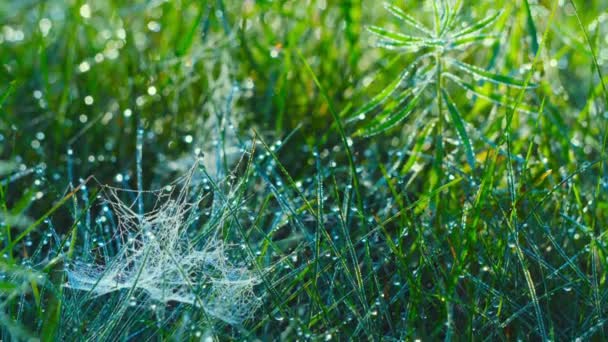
(437, 61)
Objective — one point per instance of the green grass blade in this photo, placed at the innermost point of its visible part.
(462, 132)
(531, 28)
(184, 44)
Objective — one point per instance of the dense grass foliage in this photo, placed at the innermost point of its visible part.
(303, 170)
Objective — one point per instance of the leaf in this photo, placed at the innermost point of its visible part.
(489, 76)
(454, 12)
(491, 97)
(390, 107)
(415, 151)
(459, 124)
(394, 119)
(391, 45)
(480, 25)
(446, 15)
(409, 20)
(393, 36)
(378, 99)
(184, 44)
(469, 39)
(531, 28)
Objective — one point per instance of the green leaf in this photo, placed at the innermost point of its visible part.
(469, 39)
(391, 45)
(478, 26)
(392, 36)
(531, 28)
(390, 107)
(459, 124)
(489, 76)
(378, 99)
(409, 20)
(184, 44)
(454, 12)
(415, 151)
(490, 96)
(446, 15)
(394, 119)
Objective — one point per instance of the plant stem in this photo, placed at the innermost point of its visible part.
(439, 153)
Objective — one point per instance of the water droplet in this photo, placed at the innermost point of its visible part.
(45, 26)
(84, 67)
(85, 11)
(153, 26)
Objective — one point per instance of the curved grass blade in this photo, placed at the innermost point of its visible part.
(409, 20)
(394, 119)
(490, 76)
(480, 25)
(459, 124)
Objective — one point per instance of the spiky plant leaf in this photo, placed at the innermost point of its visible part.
(458, 122)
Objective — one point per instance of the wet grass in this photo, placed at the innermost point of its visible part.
(392, 171)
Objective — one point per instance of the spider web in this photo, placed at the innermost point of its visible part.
(157, 256)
